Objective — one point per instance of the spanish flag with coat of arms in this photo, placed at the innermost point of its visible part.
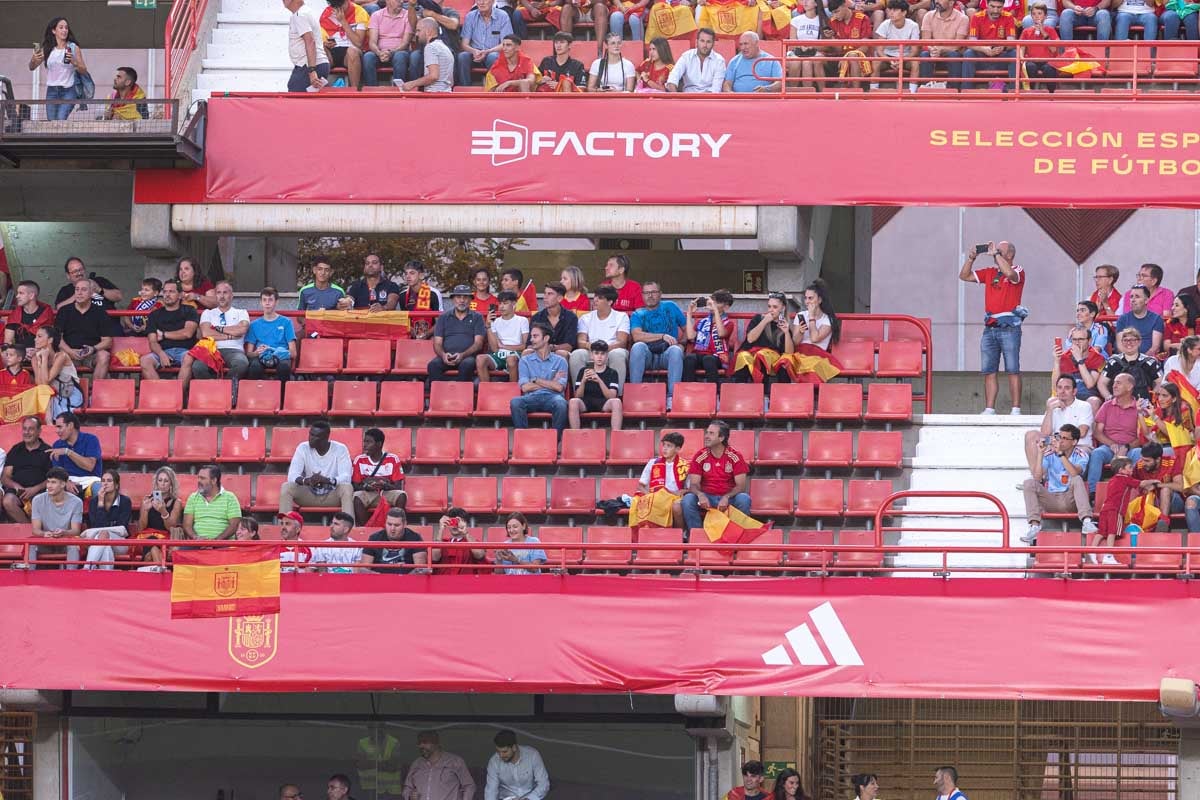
(729, 18)
(225, 582)
(732, 526)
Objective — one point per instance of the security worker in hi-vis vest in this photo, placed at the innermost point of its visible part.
(380, 767)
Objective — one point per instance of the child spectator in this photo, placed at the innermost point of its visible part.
(1122, 488)
(1101, 334)
(147, 300)
(506, 339)
(654, 71)
(1037, 57)
(596, 389)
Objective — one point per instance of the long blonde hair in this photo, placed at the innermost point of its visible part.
(171, 476)
(576, 276)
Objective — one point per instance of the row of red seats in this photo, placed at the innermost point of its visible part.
(836, 402)
(1073, 562)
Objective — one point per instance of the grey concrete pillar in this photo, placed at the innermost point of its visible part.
(1189, 764)
(150, 231)
(792, 240)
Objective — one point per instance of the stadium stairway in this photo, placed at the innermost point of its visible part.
(248, 51)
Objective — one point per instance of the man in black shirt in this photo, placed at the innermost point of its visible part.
(27, 315)
(458, 335)
(565, 324)
(373, 291)
(170, 332)
(25, 470)
(597, 388)
(401, 560)
(106, 294)
(86, 331)
(560, 65)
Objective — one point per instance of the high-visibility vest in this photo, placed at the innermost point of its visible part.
(380, 769)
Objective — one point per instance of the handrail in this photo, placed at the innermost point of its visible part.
(183, 28)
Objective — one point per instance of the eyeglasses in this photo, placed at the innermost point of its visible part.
(1080, 339)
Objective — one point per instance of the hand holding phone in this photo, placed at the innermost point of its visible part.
(981, 249)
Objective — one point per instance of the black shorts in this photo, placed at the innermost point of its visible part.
(337, 57)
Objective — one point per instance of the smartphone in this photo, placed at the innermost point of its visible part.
(1058, 342)
(156, 496)
(701, 302)
(452, 522)
(981, 249)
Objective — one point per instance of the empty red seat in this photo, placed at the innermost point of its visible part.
(693, 401)
(761, 558)
(240, 485)
(554, 534)
(799, 542)
(527, 495)
(534, 447)
(858, 559)
(412, 356)
(437, 446)
(1154, 562)
(109, 436)
(353, 398)
(351, 437)
(900, 359)
(111, 396)
(829, 449)
(620, 537)
(9, 532)
(401, 399)
(840, 401)
(790, 401)
(864, 497)
(136, 486)
(485, 446)
(284, 442)
(159, 398)
(1176, 62)
(305, 399)
(862, 329)
(321, 357)
(145, 443)
(475, 495)
(427, 494)
(584, 447)
(194, 445)
(632, 448)
(241, 444)
(397, 441)
(818, 497)
(856, 356)
(780, 449)
(741, 401)
(572, 496)
(743, 442)
(450, 400)
(493, 401)
(368, 357)
(1048, 541)
(649, 553)
(266, 493)
(257, 398)
(889, 402)
(646, 400)
(880, 450)
(772, 497)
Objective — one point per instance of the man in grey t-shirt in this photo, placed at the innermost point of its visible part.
(439, 62)
(57, 514)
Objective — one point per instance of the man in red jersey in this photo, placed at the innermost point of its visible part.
(717, 478)
(1002, 287)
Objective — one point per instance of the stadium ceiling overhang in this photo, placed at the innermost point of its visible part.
(856, 637)
(691, 151)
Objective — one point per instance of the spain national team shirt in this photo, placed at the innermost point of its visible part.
(984, 27)
(717, 474)
(1000, 295)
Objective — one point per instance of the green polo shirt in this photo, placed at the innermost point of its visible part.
(210, 518)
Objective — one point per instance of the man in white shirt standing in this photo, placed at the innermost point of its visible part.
(319, 474)
(700, 69)
(515, 771)
(603, 324)
(227, 326)
(310, 63)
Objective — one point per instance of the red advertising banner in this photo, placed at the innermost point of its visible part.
(694, 150)
(882, 637)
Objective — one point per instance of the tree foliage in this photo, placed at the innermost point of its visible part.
(448, 262)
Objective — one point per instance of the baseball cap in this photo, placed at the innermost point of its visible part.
(461, 290)
(292, 515)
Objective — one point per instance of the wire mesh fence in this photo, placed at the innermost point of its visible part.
(88, 117)
(16, 754)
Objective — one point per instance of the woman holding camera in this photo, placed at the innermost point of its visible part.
(63, 59)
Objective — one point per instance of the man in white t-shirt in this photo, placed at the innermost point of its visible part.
(507, 336)
(1062, 409)
(310, 63)
(338, 559)
(603, 324)
(227, 326)
(945, 781)
(898, 27)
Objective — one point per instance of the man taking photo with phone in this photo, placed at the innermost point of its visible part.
(1002, 284)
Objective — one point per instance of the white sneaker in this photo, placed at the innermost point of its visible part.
(987, 412)
(1110, 561)
(1016, 411)
(1089, 527)
(1031, 535)
(1090, 558)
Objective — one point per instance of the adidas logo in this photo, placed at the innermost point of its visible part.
(807, 647)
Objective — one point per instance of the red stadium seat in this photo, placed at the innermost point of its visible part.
(9, 550)
(353, 398)
(258, 398)
(436, 446)
(194, 445)
(401, 399)
(612, 488)
(784, 449)
(630, 448)
(241, 444)
(1154, 562)
(266, 493)
(1049, 540)
(790, 401)
(321, 357)
(552, 535)
(475, 495)
(857, 358)
(801, 557)
(109, 436)
(601, 534)
(111, 396)
(862, 329)
(368, 357)
(527, 495)
(648, 555)
(412, 356)
(485, 446)
(138, 344)
(819, 497)
(772, 497)
(761, 558)
(146, 443)
(351, 437)
(829, 449)
(450, 400)
(899, 360)
(585, 447)
(693, 440)
(743, 442)
(864, 497)
(493, 402)
(902, 330)
(840, 401)
(284, 442)
(693, 401)
(710, 557)
(572, 496)
(240, 486)
(136, 486)
(209, 399)
(740, 401)
(305, 399)
(889, 402)
(427, 494)
(534, 447)
(1178, 63)
(397, 441)
(880, 450)
(858, 560)
(160, 398)
(646, 400)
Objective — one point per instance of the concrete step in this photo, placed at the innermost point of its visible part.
(978, 420)
(243, 81)
(245, 40)
(266, 15)
(1002, 483)
(245, 64)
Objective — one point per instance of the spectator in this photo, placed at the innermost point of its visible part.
(560, 321)
(482, 33)
(515, 771)
(512, 280)
(752, 780)
(752, 71)
(14, 379)
(25, 468)
(513, 71)
(1002, 288)
(595, 12)
(57, 514)
(400, 560)
(1038, 28)
(211, 512)
(521, 561)
(388, 39)
(109, 514)
(668, 472)
(632, 11)
(344, 30)
(76, 453)
(1192, 292)
(656, 329)
(1184, 10)
(290, 791)
(1169, 421)
(717, 478)
(452, 527)
(373, 291)
(319, 474)
(1122, 489)
(147, 300)
(338, 559)
(1082, 365)
(808, 26)
(992, 23)
(1186, 361)
(1051, 17)
(247, 530)
(542, 375)
(86, 331)
(436, 774)
(338, 788)
(597, 389)
(574, 296)
(506, 339)
(227, 326)
(416, 295)
(195, 290)
(548, 11)
(787, 786)
(64, 64)
(161, 515)
(709, 338)
(270, 340)
(457, 336)
(1162, 473)
(1106, 297)
(945, 22)
(1085, 12)
(1057, 484)
(559, 71)
(654, 71)
(447, 30)
(898, 27)
(854, 27)
(293, 557)
(54, 368)
(612, 72)
(604, 324)
(1183, 320)
(126, 93)
(813, 332)
(1099, 334)
(866, 785)
(945, 779)
(375, 474)
(698, 70)
(310, 62)
(1116, 428)
(103, 293)
(170, 332)
(28, 314)
(1144, 369)
(1148, 324)
(768, 340)
(320, 294)
(482, 300)
(1138, 12)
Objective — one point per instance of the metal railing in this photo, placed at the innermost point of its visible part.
(97, 117)
(182, 31)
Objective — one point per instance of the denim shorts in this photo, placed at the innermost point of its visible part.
(1082, 392)
(174, 356)
(998, 340)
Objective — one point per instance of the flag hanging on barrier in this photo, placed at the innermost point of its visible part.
(360, 324)
(225, 583)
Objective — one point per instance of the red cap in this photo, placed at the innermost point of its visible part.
(292, 515)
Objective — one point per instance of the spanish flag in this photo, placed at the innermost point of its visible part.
(652, 510)
(670, 21)
(728, 18)
(1187, 392)
(226, 582)
(205, 351)
(358, 324)
(527, 300)
(29, 403)
(1143, 512)
(776, 22)
(732, 526)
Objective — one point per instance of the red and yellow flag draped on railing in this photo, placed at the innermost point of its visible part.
(361, 324)
(225, 582)
(31, 402)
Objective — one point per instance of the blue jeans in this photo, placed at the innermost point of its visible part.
(60, 110)
(641, 359)
(971, 62)
(541, 400)
(953, 66)
(997, 341)
(463, 63)
(1170, 23)
(1099, 458)
(371, 62)
(616, 24)
(299, 82)
(694, 518)
(1102, 21)
(1051, 20)
(1149, 23)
